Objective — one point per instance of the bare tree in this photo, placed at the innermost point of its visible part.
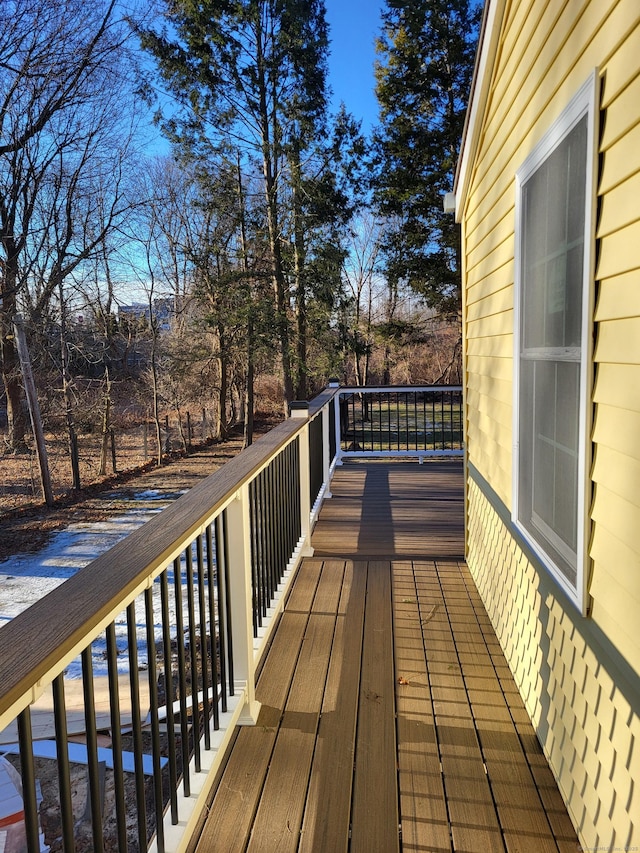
(62, 81)
(359, 273)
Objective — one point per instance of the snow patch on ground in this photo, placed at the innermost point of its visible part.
(25, 578)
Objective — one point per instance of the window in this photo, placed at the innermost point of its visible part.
(552, 342)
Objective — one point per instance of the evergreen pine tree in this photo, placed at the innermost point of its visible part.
(252, 75)
(423, 75)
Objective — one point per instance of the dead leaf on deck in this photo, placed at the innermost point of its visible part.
(403, 680)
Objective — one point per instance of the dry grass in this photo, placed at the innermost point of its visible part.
(20, 485)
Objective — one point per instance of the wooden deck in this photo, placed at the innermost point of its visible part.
(390, 720)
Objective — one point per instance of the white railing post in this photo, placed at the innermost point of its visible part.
(240, 588)
(326, 456)
(338, 425)
(299, 409)
(327, 426)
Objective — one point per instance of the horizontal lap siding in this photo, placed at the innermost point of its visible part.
(546, 52)
(615, 585)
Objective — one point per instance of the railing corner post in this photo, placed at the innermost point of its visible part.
(338, 429)
(300, 409)
(240, 583)
(326, 452)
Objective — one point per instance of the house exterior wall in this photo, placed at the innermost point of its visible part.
(579, 676)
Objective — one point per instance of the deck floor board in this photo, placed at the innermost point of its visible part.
(390, 720)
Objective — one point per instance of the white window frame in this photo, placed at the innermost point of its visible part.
(584, 103)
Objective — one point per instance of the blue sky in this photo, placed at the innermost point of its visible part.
(353, 28)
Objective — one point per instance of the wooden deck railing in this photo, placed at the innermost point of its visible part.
(157, 640)
(413, 421)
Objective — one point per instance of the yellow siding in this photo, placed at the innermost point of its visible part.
(617, 341)
(619, 206)
(483, 282)
(620, 162)
(619, 252)
(493, 390)
(617, 385)
(620, 518)
(493, 304)
(501, 207)
(546, 51)
(541, 81)
(620, 427)
(499, 347)
(492, 253)
(620, 112)
(619, 296)
(622, 65)
(495, 368)
(494, 324)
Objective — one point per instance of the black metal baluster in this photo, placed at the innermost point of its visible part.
(332, 430)
(451, 393)
(169, 695)
(292, 473)
(268, 515)
(193, 660)
(271, 520)
(367, 423)
(258, 555)
(256, 550)
(227, 605)
(62, 754)
(424, 420)
(352, 423)
(287, 487)
(204, 645)
(221, 555)
(155, 722)
(433, 417)
(116, 736)
(182, 677)
(28, 774)
(442, 410)
(288, 463)
(285, 547)
(213, 629)
(268, 577)
(95, 788)
(295, 478)
(138, 748)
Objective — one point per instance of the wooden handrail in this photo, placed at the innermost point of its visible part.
(38, 643)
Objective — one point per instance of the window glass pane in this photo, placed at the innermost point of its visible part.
(553, 213)
(551, 293)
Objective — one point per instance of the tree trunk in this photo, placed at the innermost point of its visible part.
(299, 265)
(68, 399)
(34, 411)
(183, 440)
(16, 413)
(249, 384)
(271, 196)
(106, 427)
(221, 429)
(250, 374)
